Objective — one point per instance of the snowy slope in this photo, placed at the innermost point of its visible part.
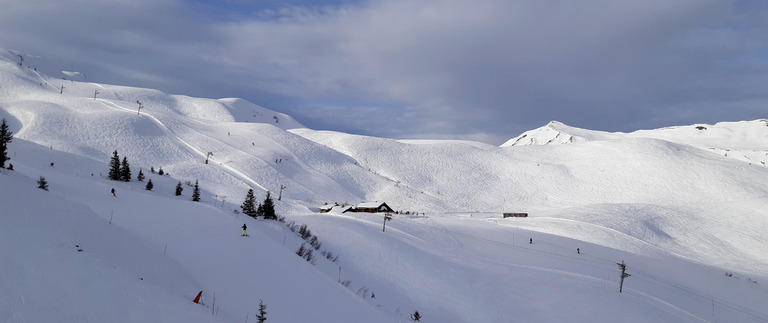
(146, 255)
(115, 277)
(587, 182)
(745, 140)
(681, 217)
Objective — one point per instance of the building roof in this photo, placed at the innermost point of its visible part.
(370, 205)
(342, 209)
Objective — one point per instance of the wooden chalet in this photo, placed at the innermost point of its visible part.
(327, 207)
(371, 207)
(335, 208)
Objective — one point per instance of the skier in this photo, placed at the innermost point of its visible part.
(10, 166)
(578, 251)
(113, 192)
(530, 241)
(245, 234)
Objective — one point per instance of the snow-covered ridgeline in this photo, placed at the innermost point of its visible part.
(680, 216)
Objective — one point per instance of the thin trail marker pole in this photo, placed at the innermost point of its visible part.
(387, 217)
(623, 268)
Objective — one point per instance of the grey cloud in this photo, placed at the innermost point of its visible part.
(462, 66)
(141, 43)
(484, 70)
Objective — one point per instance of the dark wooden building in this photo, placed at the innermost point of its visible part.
(372, 207)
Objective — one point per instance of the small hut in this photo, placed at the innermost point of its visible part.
(327, 207)
(372, 207)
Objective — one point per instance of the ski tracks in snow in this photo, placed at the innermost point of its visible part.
(229, 169)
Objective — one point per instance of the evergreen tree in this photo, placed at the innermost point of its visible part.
(6, 136)
(196, 193)
(269, 208)
(152, 169)
(140, 177)
(262, 316)
(114, 167)
(160, 172)
(259, 211)
(42, 183)
(179, 189)
(149, 185)
(248, 206)
(416, 317)
(125, 171)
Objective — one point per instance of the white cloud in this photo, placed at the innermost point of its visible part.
(488, 68)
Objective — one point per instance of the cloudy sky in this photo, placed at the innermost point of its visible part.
(482, 70)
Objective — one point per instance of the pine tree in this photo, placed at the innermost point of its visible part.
(259, 211)
(179, 189)
(42, 183)
(160, 172)
(6, 136)
(152, 169)
(114, 167)
(269, 208)
(262, 317)
(140, 177)
(125, 171)
(248, 206)
(196, 193)
(416, 317)
(149, 185)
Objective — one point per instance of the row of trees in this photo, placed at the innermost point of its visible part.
(195, 191)
(121, 171)
(265, 209)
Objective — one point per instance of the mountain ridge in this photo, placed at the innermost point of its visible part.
(693, 205)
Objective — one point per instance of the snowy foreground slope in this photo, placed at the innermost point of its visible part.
(683, 207)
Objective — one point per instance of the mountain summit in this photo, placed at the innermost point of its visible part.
(555, 133)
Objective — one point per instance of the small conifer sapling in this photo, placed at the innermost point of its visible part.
(196, 192)
(262, 316)
(42, 184)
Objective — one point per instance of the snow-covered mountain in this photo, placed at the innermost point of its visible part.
(683, 207)
(556, 133)
(744, 140)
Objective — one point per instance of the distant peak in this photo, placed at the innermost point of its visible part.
(554, 133)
